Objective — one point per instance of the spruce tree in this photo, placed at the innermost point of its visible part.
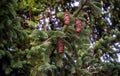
(57, 38)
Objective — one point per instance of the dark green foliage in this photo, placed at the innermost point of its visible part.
(27, 51)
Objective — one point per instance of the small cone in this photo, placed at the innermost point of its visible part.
(78, 26)
(60, 44)
(66, 18)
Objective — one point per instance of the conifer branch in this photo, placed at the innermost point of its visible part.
(65, 28)
(76, 13)
(79, 8)
(46, 40)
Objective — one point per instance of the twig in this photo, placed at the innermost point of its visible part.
(65, 28)
(46, 41)
(80, 8)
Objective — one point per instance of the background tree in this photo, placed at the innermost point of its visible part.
(36, 40)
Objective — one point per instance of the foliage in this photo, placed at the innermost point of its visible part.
(27, 51)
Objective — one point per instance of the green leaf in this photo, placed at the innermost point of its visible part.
(60, 15)
(11, 9)
(58, 34)
(85, 72)
(95, 9)
(2, 53)
(73, 69)
(9, 22)
(68, 45)
(28, 56)
(9, 54)
(17, 64)
(46, 66)
(31, 23)
(39, 34)
(8, 71)
(98, 4)
(59, 63)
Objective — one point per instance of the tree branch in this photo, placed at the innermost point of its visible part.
(46, 41)
(79, 8)
(74, 15)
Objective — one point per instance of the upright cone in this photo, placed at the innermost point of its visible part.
(66, 18)
(78, 26)
(60, 44)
